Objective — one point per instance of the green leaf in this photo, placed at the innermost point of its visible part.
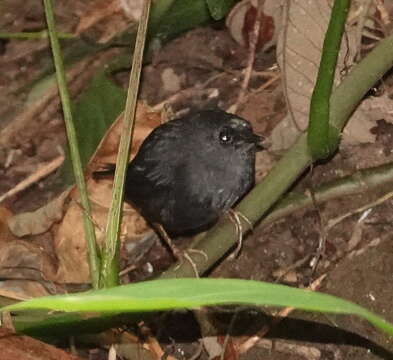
(50, 328)
(219, 8)
(100, 104)
(171, 17)
(170, 294)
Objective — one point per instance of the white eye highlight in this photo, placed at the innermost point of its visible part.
(226, 135)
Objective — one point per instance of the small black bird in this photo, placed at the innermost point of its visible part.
(190, 170)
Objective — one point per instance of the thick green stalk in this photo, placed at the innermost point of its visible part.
(321, 140)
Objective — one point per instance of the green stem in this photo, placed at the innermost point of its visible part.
(94, 261)
(321, 142)
(110, 260)
(360, 182)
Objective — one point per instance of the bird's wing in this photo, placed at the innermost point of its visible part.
(157, 156)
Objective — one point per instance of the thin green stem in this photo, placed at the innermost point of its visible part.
(110, 260)
(357, 183)
(94, 261)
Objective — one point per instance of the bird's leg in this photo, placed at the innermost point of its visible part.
(168, 241)
(235, 217)
(178, 254)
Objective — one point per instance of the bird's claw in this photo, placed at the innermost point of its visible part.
(235, 216)
(180, 255)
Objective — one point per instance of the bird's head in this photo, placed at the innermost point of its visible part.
(238, 133)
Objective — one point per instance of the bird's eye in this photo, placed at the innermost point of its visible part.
(226, 136)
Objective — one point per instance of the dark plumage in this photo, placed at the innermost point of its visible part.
(190, 170)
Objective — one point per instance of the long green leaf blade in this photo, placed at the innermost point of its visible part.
(193, 293)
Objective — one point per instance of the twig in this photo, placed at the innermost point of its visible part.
(253, 40)
(362, 18)
(272, 80)
(42, 172)
(335, 221)
(322, 233)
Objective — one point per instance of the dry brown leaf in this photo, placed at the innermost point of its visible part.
(113, 16)
(28, 289)
(298, 53)
(98, 11)
(70, 243)
(106, 153)
(370, 110)
(69, 240)
(40, 220)
(380, 107)
(212, 346)
(70, 247)
(21, 347)
(27, 268)
(358, 129)
(5, 234)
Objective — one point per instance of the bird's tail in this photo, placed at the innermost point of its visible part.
(107, 171)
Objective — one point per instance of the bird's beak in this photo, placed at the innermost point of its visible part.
(256, 141)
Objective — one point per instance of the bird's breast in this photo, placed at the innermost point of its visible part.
(223, 182)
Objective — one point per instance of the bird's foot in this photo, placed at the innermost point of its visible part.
(180, 260)
(199, 252)
(235, 217)
(179, 254)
